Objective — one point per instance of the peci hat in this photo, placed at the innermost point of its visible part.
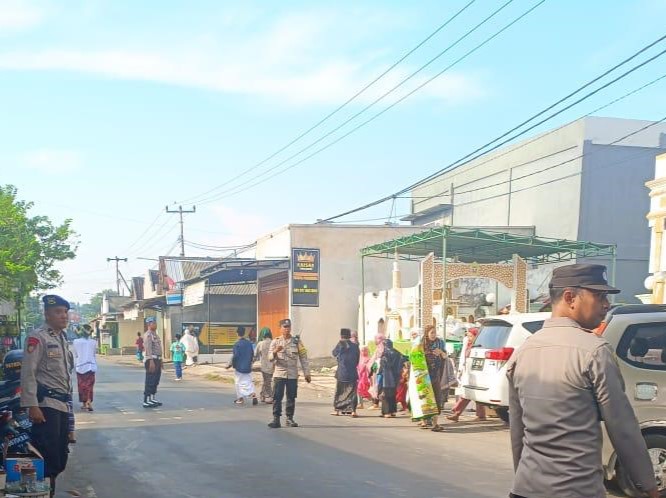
(345, 333)
(53, 301)
(285, 323)
(585, 276)
(151, 319)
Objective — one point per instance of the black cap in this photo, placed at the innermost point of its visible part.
(585, 276)
(52, 301)
(285, 322)
(346, 333)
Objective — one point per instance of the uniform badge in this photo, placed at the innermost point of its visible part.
(33, 342)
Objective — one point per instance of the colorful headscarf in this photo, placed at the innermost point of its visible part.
(264, 333)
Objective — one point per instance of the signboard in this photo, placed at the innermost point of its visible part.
(222, 336)
(174, 298)
(194, 294)
(304, 277)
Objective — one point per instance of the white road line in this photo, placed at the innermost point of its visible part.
(137, 420)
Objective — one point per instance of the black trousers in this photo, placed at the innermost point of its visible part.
(152, 379)
(389, 403)
(52, 440)
(280, 386)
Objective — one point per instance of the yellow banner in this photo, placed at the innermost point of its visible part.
(220, 335)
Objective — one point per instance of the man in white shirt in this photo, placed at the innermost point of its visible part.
(85, 363)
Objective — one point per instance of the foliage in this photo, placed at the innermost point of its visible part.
(30, 247)
(94, 307)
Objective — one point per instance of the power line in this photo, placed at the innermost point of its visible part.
(458, 162)
(535, 139)
(237, 189)
(339, 108)
(180, 211)
(380, 98)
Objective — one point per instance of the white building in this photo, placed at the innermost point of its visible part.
(583, 181)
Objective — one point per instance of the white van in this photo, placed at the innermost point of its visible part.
(484, 376)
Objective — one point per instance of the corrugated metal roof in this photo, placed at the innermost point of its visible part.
(234, 290)
(180, 271)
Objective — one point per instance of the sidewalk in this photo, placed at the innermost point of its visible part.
(218, 372)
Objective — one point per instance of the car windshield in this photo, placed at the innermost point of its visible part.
(493, 335)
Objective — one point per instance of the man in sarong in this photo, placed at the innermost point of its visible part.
(241, 361)
(347, 353)
(86, 366)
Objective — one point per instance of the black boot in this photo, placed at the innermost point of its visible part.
(291, 422)
(275, 424)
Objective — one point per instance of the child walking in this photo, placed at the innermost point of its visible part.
(178, 356)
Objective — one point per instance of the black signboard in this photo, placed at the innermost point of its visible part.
(304, 277)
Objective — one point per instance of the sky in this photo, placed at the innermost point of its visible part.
(110, 110)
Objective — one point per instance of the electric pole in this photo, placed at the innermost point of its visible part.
(117, 260)
(182, 211)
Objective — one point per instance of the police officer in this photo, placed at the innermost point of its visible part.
(153, 362)
(46, 386)
(563, 381)
(285, 352)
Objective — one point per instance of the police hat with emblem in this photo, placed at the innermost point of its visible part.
(285, 323)
(584, 276)
(53, 301)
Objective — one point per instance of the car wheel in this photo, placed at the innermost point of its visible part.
(656, 444)
(503, 413)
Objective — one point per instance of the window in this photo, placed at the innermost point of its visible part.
(533, 326)
(493, 335)
(644, 346)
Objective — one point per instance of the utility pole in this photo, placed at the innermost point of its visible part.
(182, 211)
(117, 260)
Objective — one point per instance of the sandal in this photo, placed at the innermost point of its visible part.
(354, 415)
(335, 414)
(437, 428)
(239, 401)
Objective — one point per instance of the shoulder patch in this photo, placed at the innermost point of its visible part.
(32, 343)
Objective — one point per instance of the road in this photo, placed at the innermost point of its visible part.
(201, 445)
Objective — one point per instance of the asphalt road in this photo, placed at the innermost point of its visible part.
(200, 445)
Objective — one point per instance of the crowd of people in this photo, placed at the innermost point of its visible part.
(381, 380)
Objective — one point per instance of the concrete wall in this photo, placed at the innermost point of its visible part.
(340, 278)
(517, 185)
(614, 204)
(127, 330)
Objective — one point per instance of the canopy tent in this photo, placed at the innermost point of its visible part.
(454, 245)
(471, 245)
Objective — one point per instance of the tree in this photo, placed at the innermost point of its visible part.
(94, 307)
(30, 247)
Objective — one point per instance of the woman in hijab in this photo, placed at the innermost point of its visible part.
(462, 403)
(267, 366)
(376, 384)
(435, 353)
(363, 370)
(391, 370)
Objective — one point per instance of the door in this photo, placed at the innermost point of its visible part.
(273, 301)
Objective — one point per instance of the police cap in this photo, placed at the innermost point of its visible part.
(52, 301)
(585, 276)
(285, 323)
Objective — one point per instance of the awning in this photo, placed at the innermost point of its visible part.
(237, 270)
(483, 246)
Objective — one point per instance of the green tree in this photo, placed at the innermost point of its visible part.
(94, 307)
(30, 247)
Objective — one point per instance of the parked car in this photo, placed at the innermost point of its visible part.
(484, 376)
(637, 334)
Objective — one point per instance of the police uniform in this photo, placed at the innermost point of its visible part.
(562, 382)
(46, 382)
(285, 376)
(152, 354)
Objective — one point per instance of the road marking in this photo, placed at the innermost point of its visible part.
(85, 423)
(137, 420)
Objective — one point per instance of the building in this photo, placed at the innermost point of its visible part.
(582, 181)
(310, 273)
